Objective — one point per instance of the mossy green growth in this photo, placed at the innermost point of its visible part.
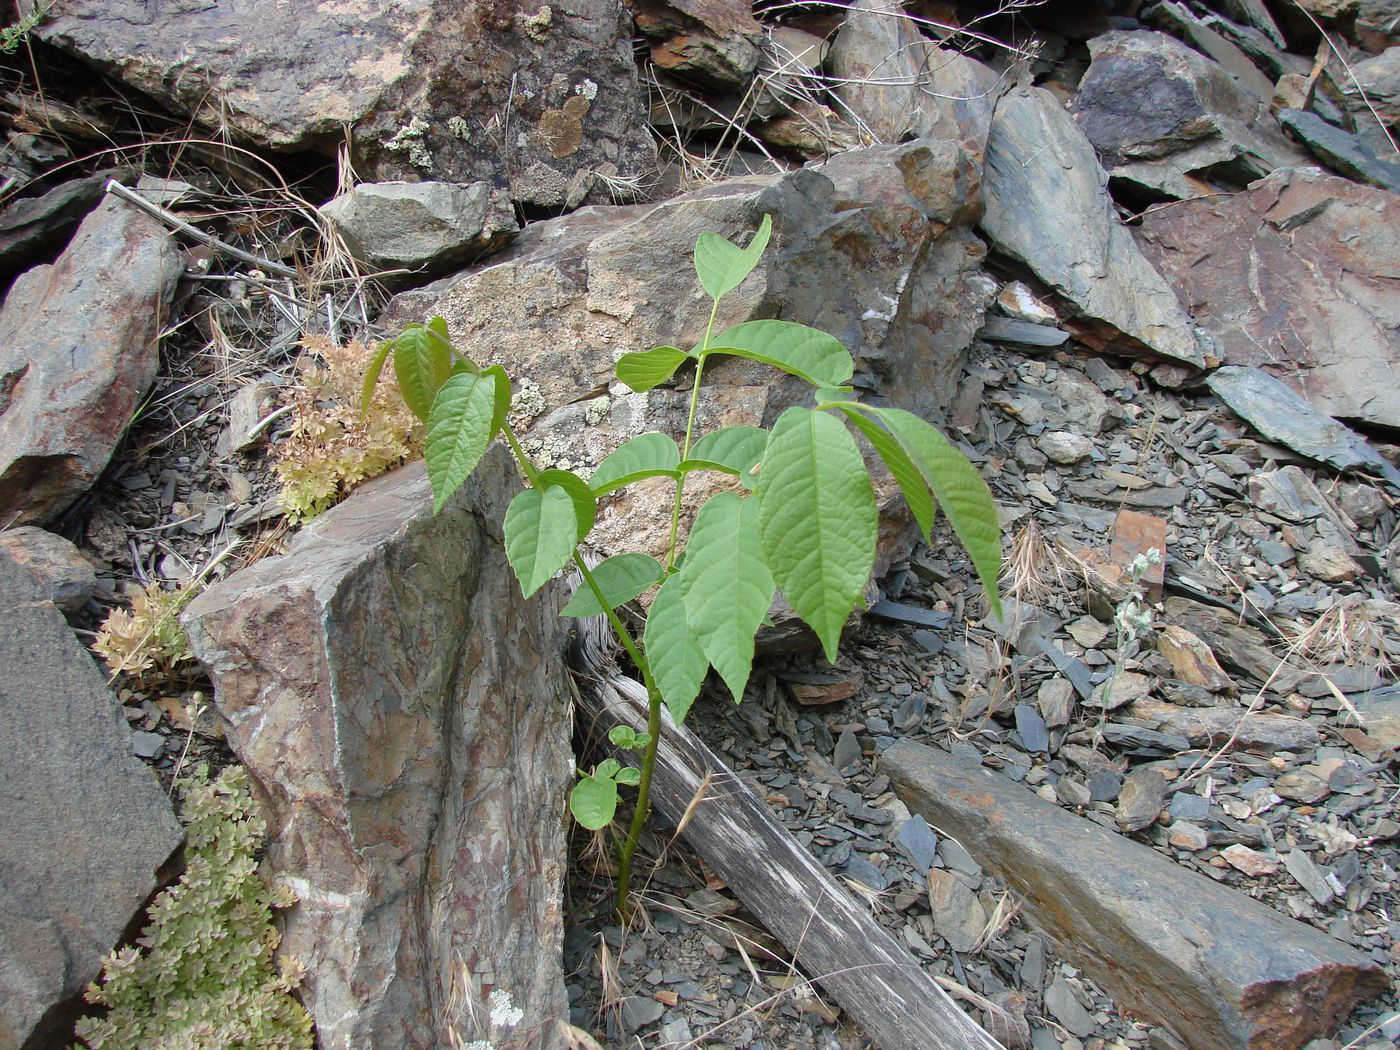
(204, 977)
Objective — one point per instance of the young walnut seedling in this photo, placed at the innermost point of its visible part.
(805, 523)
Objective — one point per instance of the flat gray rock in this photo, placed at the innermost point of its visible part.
(1281, 414)
(1046, 207)
(1343, 152)
(1215, 966)
(86, 831)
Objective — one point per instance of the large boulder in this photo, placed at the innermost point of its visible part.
(897, 83)
(404, 715)
(537, 99)
(872, 247)
(86, 833)
(1046, 208)
(77, 354)
(1296, 276)
(1159, 112)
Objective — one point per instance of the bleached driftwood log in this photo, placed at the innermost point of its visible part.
(832, 935)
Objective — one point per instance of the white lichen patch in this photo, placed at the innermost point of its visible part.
(457, 128)
(537, 25)
(887, 315)
(409, 139)
(587, 89)
(596, 411)
(527, 402)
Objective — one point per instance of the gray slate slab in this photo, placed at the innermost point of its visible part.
(1223, 971)
(85, 829)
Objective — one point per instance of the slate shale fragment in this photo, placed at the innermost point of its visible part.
(1220, 970)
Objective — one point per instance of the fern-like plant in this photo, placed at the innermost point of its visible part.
(805, 522)
(203, 975)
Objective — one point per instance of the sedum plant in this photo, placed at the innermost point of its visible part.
(801, 519)
(204, 977)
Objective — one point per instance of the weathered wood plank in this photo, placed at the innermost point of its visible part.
(858, 964)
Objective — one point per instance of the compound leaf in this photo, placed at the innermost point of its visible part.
(646, 455)
(726, 585)
(585, 505)
(460, 426)
(593, 801)
(738, 448)
(376, 365)
(957, 486)
(814, 356)
(911, 482)
(651, 368)
(678, 663)
(422, 363)
(722, 266)
(540, 530)
(621, 578)
(817, 520)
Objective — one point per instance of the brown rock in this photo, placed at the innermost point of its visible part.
(1302, 785)
(1140, 799)
(1185, 835)
(404, 716)
(1234, 644)
(1191, 659)
(899, 84)
(77, 354)
(1251, 862)
(1212, 726)
(64, 576)
(419, 86)
(958, 916)
(1295, 275)
(1220, 970)
(716, 42)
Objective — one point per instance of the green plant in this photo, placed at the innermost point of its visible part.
(333, 447)
(12, 35)
(147, 640)
(204, 977)
(802, 522)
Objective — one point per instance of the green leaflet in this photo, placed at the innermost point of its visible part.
(643, 371)
(593, 801)
(817, 521)
(376, 365)
(722, 266)
(957, 486)
(585, 505)
(621, 578)
(726, 586)
(646, 455)
(902, 469)
(460, 426)
(540, 533)
(422, 363)
(503, 395)
(678, 664)
(814, 356)
(738, 448)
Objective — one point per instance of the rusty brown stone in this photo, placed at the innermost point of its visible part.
(1295, 276)
(1212, 726)
(1219, 969)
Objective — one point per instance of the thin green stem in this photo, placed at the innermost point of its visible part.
(689, 435)
(640, 813)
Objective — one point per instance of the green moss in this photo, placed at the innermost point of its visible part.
(203, 977)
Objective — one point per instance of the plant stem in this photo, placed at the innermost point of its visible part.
(639, 815)
(689, 434)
